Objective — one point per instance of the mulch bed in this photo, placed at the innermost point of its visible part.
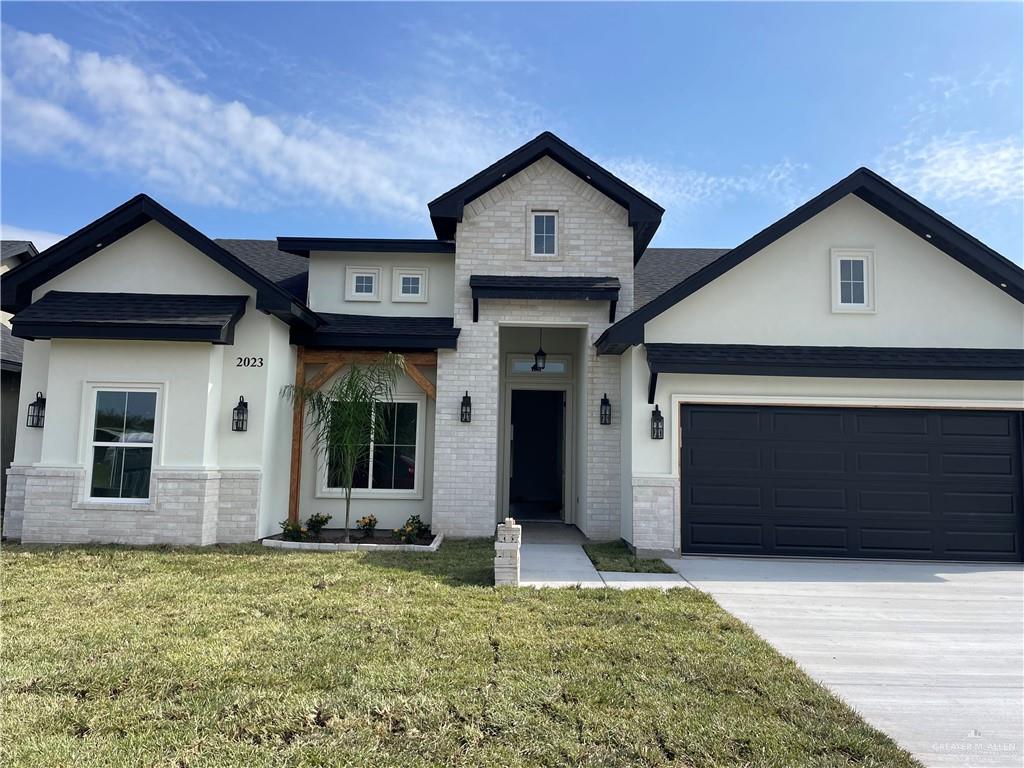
(337, 536)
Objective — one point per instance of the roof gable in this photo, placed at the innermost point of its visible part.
(873, 190)
(18, 284)
(644, 214)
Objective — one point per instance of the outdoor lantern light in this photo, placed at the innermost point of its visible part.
(466, 412)
(540, 359)
(36, 411)
(657, 424)
(240, 416)
(606, 410)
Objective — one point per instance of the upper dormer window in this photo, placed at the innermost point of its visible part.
(409, 284)
(545, 238)
(852, 280)
(362, 284)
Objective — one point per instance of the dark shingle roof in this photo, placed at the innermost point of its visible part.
(11, 349)
(379, 332)
(532, 286)
(661, 268)
(855, 362)
(150, 316)
(20, 249)
(288, 271)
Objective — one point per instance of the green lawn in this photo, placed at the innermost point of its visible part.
(616, 556)
(251, 657)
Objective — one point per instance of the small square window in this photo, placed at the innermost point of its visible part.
(545, 227)
(363, 284)
(852, 280)
(409, 284)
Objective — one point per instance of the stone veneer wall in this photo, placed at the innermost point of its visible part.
(594, 240)
(187, 507)
(14, 503)
(656, 515)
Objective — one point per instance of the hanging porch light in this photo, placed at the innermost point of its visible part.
(540, 358)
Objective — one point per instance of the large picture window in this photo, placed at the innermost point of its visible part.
(122, 444)
(392, 457)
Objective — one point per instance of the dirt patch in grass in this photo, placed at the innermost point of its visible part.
(231, 656)
(616, 556)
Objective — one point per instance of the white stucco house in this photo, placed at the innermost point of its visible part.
(848, 382)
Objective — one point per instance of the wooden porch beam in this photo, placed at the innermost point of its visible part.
(345, 357)
(297, 423)
(420, 380)
(321, 378)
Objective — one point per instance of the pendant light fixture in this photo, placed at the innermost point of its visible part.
(540, 359)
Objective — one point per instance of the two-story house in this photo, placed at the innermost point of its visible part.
(848, 382)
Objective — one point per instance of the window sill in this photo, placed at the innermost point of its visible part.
(128, 505)
(853, 310)
(410, 299)
(543, 257)
(323, 493)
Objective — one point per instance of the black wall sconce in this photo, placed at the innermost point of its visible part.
(606, 410)
(240, 416)
(466, 411)
(657, 424)
(36, 411)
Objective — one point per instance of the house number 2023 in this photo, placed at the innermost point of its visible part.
(249, 362)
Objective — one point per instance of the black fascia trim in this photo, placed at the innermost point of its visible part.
(301, 246)
(394, 342)
(18, 283)
(446, 211)
(872, 189)
(658, 361)
(215, 333)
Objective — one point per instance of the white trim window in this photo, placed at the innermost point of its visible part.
(853, 288)
(394, 466)
(409, 284)
(362, 283)
(123, 436)
(544, 233)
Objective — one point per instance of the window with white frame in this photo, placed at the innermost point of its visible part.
(124, 423)
(409, 284)
(852, 280)
(391, 464)
(363, 284)
(545, 237)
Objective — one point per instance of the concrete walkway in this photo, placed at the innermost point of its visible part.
(552, 556)
(930, 653)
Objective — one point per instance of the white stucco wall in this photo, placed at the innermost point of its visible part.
(594, 239)
(327, 286)
(782, 295)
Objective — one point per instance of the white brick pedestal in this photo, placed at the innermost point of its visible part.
(656, 518)
(506, 553)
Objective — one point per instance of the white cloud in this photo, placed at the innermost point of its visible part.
(959, 167)
(41, 239)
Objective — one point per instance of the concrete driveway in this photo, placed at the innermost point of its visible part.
(930, 653)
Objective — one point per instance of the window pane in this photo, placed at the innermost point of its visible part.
(845, 293)
(405, 468)
(110, 407)
(364, 284)
(845, 269)
(383, 466)
(360, 478)
(858, 270)
(405, 430)
(121, 472)
(386, 424)
(410, 285)
(140, 416)
(538, 243)
(858, 293)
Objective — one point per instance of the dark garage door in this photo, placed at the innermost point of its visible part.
(851, 482)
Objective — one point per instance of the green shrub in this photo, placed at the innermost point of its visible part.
(293, 531)
(316, 523)
(411, 531)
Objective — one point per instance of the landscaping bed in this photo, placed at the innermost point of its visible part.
(228, 656)
(617, 556)
(333, 540)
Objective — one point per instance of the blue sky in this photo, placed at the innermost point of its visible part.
(258, 120)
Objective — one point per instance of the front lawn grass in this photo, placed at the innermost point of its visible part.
(616, 556)
(246, 656)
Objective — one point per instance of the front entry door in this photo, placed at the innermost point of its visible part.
(537, 451)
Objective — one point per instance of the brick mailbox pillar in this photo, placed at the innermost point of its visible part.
(506, 553)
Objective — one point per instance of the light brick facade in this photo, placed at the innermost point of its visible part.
(594, 239)
(656, 522)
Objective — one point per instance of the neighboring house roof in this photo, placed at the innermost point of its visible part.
(301, 246)
(644, 214)
(11, 350)
(661, 268)
(148, 316)
(287, 271)
(872, 189)
(380, 332)
(18, 284)
(845, 362)
(17, 251)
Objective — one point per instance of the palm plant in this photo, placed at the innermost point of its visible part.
(344, 418)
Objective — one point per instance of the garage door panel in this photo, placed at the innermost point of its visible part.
(709, 422)
(869, 483)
